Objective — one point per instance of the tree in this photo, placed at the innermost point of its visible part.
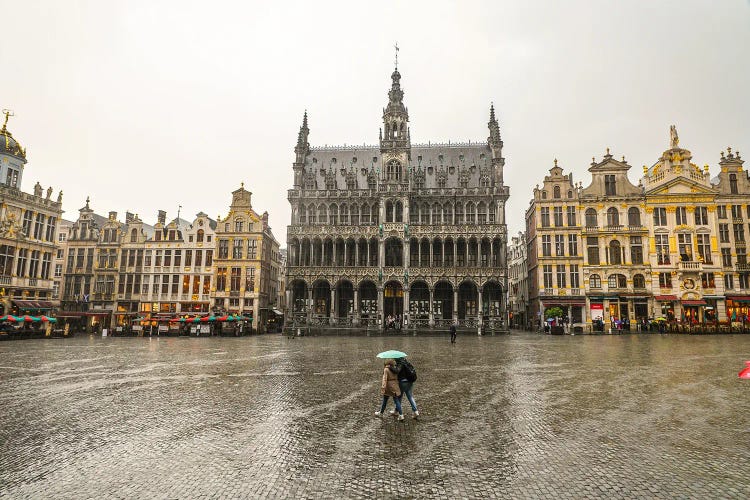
(553, 312)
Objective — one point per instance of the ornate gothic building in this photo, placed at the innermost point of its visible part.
(398, 229)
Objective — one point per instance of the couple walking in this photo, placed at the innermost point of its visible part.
(398, 378)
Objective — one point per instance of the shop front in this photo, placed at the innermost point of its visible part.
(665, 306)
(738, 308)
(693, 311)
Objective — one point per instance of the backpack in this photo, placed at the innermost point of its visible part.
(408, 371)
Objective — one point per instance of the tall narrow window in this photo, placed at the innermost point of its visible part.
(573, 245)
(571, 216)
(609, 185)
(662, 249)
(733, 183)
(591, 218)
(660, 216)
(592, 248)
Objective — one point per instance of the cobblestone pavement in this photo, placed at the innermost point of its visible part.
(519, 416)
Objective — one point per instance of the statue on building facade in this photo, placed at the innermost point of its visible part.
(37, 189)
(674, 139)
(49, 192)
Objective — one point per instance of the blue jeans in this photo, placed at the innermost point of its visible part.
(405, 387)
(396, 400)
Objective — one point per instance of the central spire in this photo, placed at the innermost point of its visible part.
(395, 116)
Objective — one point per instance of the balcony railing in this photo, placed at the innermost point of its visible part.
(687, 265)
(742, 266)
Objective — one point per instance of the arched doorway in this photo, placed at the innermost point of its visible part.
(368, 303)
(299, 296)
(443, 301)
(393, 299)
(344, 299)
(419, 301)
(321, 298)
(492, 300)
(467, 300)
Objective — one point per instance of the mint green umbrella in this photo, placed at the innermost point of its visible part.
(392, 354)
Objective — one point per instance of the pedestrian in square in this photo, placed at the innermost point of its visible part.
(406, 378)
(453, 333)
(389, 388)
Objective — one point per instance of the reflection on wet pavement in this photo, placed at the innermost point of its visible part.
(520, 416)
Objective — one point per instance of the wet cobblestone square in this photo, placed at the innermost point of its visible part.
(519, 416)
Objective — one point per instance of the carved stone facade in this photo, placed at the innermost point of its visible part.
(28, 235)
(402, 230)
(247, 261)
(673, 246)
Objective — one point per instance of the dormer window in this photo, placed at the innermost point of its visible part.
(733, 183)
(609, 185)
(556, 192)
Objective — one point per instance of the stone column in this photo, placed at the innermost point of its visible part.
(570, 318)
(405, 307)
(355, 318)
(333, 251)
(333, 305)
(431, 253)
(356, 253)
(309, 304)
(432, 306)
(346, 253)
(381, 313)
(455, 254)
(479, 309)
(455, 304)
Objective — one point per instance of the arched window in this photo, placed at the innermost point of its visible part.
(617, 281)
(393, 170)
(639, 281)
(333, 214)
(544, 195)
(366, 214)
(733, 183)
(437, 214)
(133, 236)
(302, 215)
(615, 252)
(199, 236)
(591, 219)
(556, 192)
(322, 215)
(482, 213)
(634, 216)
(595, 281)
(470, 213)
(570, 194)
(389, 211)
(613, 217)
(399, 212)
(344, 215)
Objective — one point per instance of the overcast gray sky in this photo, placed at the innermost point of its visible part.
(147, 105)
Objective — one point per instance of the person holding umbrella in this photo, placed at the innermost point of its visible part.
(389, 386)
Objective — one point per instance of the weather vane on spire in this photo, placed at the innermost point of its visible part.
(395, 46)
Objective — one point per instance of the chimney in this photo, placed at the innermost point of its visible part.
(113, 216)
(129, 217)
(162, 217)
(264, 218)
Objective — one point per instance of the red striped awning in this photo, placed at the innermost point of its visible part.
(739, 298)
(693, 302)
(665, 298)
